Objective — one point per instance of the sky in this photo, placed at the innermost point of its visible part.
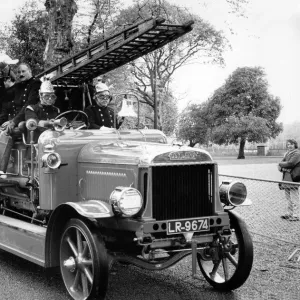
(268, 37)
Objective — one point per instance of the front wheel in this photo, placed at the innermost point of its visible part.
(83, 262)
(227, 264)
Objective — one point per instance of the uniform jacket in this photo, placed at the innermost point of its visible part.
(25, 93)
(41, 112)
(290, 160)
(7, 97)
(101, 116)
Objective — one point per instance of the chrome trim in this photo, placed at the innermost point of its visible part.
(144, 136)
(106, 173)
(178, 163)
(51, 190)
(80, 188)
(21, 166)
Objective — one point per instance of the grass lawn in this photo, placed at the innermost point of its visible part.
(232, 160)
(259, 167)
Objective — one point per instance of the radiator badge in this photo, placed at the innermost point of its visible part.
(183, 155)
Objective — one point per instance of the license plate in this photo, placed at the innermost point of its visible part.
(187, 225)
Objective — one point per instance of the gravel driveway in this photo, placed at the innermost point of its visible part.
(273, 277)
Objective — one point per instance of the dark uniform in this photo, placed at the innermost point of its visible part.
(101, 116)
(25, 93)
(41, 112)
(7, 97)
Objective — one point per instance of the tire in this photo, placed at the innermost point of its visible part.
(238, 261)
(83, 262)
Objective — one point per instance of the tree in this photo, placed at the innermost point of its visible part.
(243, 110)
(153, 72)
(94, 20)
(169, 113)
(193, 125)
(25, 37)
(60, 40)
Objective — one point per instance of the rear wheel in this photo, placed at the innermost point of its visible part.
(228, 263)
(83, 261)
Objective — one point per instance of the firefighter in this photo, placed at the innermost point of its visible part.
(7, 97)
(100, 115)
(26, 93)
(7, 80)
(44, 110)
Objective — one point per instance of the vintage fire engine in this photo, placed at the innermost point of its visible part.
(81, 199)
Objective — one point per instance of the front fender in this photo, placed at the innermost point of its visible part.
(93, 209)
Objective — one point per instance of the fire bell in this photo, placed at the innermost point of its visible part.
(127, 108)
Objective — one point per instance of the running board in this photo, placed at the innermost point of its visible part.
(23, 239)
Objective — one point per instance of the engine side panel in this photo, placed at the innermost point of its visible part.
(96, 182)
(61, 185)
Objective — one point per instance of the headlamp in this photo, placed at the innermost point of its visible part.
(126, 201)
(51, 160)
(31, 124)
(233, 193)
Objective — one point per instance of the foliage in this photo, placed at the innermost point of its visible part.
(242, 109)
(192, 125)
(25, 36)
(237, 6)
(169, 114)
(153, 72)
(290, 131)
(148, 77)
(93, 21)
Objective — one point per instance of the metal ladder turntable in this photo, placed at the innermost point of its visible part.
(112, 52)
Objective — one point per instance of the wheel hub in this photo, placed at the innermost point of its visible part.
(70, 264)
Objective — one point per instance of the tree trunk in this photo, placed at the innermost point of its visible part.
(192, 143)
(159, 110)
(241, 150)
(60, 43)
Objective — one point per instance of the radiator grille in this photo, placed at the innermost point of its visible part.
(182, 191)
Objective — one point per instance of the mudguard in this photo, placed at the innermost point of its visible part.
(92, 209)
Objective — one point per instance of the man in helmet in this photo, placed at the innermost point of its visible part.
(44, 110)
(100, 114)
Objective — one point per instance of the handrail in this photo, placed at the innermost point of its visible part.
(265, 180)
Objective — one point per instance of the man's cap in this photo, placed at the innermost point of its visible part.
(101, 87)
(6, 59)
(46, 87)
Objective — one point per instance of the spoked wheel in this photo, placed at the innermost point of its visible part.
(227, 265)
(83, 262)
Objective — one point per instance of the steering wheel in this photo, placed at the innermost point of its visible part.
(74, 118)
